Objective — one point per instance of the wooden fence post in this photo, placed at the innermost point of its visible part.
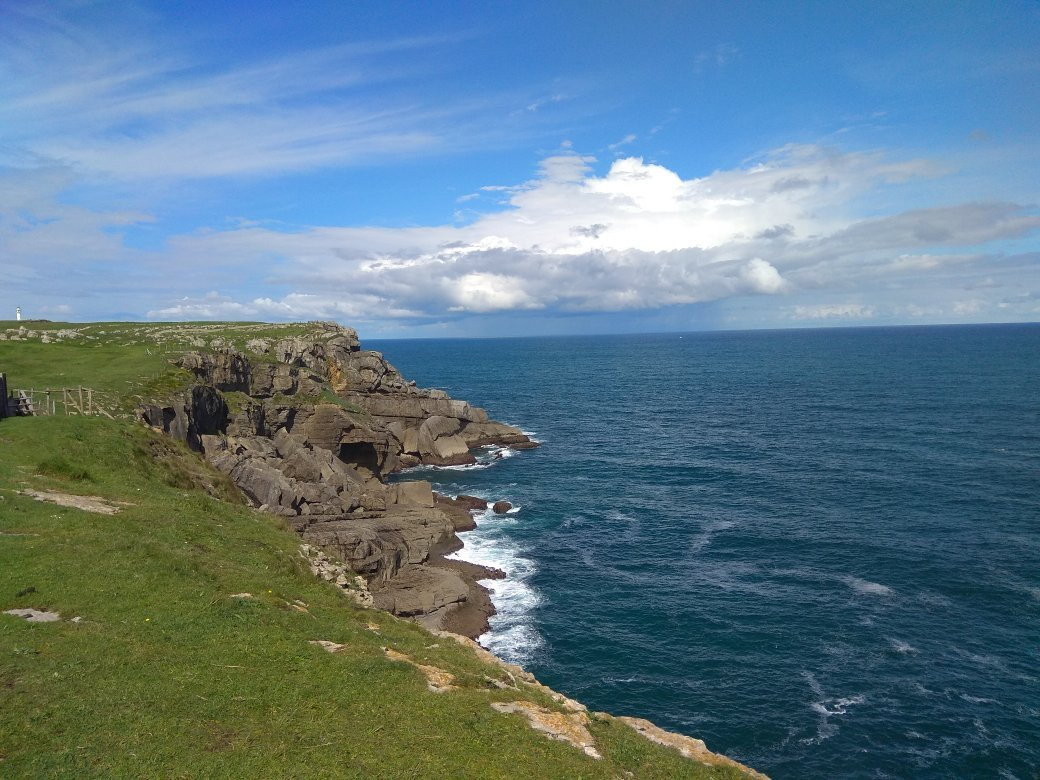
(74, 400)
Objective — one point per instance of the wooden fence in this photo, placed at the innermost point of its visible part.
(51, 401)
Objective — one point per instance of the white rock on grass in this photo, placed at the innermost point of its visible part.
(34, 615)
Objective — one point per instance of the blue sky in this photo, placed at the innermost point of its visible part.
(453, 169)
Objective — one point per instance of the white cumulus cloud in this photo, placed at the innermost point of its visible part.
(636, 237)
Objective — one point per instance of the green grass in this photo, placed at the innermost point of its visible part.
(59, 466)
(127, 363)
(115, 372)
(167, 675)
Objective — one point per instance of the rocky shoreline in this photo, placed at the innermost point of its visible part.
(310, 428)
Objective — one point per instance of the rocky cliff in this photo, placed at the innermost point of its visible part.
(310, 427)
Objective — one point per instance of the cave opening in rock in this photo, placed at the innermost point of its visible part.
(361, 454)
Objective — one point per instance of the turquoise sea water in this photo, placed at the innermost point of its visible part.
(819, 551)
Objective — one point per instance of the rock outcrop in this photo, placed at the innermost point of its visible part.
(199, 412)
(315, 427)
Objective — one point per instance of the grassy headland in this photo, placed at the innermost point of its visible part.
(192, 653)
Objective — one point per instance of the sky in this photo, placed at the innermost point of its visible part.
(496, 169)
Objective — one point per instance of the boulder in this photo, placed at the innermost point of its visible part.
(438, 443)
(420, 592)
(501, 507)
(461, 518)
(438, 426)
(410, 442)
(265, 485)
(302, 466)
(470, 503)
(414, 493)
(480, 434)
(406, 461)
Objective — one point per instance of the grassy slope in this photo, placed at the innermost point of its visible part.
(122, 362)
(167, 675)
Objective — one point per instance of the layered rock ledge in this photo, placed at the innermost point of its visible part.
(310, 428)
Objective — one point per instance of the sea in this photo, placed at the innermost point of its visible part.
(817, 550)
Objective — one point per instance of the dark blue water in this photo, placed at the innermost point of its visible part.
(819, 551)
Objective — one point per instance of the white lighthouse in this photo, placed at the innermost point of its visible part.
(18, 313)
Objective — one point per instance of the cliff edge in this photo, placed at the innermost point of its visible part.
(310, 427)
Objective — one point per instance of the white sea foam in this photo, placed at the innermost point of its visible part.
(833, 707)
(512, 636)
(866, 586)
(978, 699)
(901, 647)
(486, 458)
(827, 707)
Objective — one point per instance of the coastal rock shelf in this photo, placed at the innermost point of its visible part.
(310, 427)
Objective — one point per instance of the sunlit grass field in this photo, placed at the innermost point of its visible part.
(170, 671)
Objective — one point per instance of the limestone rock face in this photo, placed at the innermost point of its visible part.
(461, 515)
(470, 503)
(324, 425)
(414, 493)
(323, 465)
(380, 545)
(202, 412)
(288, 476)
(421, 592)
(225, 369)
(354, 438)
(479, 434)
(414, 405)
(436, 442)
(208, 410)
